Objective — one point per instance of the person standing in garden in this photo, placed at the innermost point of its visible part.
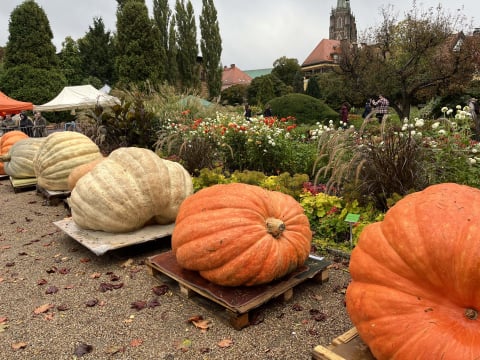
(381, 107)
(473, 110)
(344, 114)
(39, 125)
(248, 112)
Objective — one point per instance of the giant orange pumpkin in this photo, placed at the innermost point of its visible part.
(238, 234)
(415, 290)
(6, 142)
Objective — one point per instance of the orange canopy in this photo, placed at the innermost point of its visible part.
(10, 106)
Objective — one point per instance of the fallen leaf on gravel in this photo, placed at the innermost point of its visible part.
(160, 290)
(84, 260)
(49, 316)
(136, 342)
(10, 264)
(317, 315)
(51, 290)
(225, 343)
(5, 247)
(62, 307)
(200, 322)
(3, 327)
(153, 303)
(138, 305)
(107, 287)
(1, 279)
(112, 350)
(83, 349)
(23, 253)
(19, 345)
(52, 270)
(297, 307)
(68, 287)
(91, 303)
(184, 345)
(64, 271)
(41, 282)
(95, 275)
(127, 263)
(3, 320)
(114, 277)
(42, 309)
(257, 318)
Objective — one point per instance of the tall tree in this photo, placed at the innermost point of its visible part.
(30, 63)
(287, 70)
(313, 88)
(162, 17)
(97, 52)
(211, 46)
(187, 45)
(172, 74)
(422, 55)
(137, 59)
(70, 61)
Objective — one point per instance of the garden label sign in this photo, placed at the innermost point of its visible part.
(352, 219)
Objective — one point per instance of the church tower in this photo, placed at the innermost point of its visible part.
(342, 22)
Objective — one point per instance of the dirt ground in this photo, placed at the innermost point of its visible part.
(58, 300)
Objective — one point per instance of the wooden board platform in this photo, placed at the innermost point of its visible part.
(23, 184)
(235, 302)
(99, 242)
(347, 346)
(52, 197)
(4, 177)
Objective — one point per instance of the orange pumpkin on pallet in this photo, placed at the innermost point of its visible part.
(6, 142)
(415, 277)
(239, 234)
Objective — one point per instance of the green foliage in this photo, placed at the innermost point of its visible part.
(30, 38)
(97, 53)
(211, 46)
(128, 124)
(235, 94)
(264, 88)
(306, 109)
(209, 177)
(286, 70)
(187, 46)
(71, 62)
(313, 89)
(137, 50)
(36, 85)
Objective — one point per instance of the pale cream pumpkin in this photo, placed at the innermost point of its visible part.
(60, 153)
(127, 190)
(18, 162)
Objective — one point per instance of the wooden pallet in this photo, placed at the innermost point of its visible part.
(99, 242)
(52, 197)
(233, 304)
(23, 184)
(4, 177)
(347, 346)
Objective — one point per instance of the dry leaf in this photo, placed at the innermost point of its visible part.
(19, 345)
(95, 275)
(3, 319)
(111, 350)
(202, 324)
(127, 263)
(136, 342)
(225, 343)
(42, 309)
(83, 349)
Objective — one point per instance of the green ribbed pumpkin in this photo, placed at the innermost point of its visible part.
(18, 163)
(60, 153)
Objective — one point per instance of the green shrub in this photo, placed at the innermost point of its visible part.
(306, 109)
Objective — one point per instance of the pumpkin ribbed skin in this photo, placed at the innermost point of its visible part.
(19, 160)
(128, 189)
(415, 277)
(238, 234)
(6, 142)
(60, 153)
(81, 170)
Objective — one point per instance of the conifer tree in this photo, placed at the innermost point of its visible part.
(211, 46)
(31, 71)
(97, 53)
(162, 17)
(137, 58)
(70, 61)
(172, 73)
(187, 45)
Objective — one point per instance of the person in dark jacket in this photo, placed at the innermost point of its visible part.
(26, 124)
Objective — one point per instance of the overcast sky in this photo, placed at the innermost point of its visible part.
(254, 33)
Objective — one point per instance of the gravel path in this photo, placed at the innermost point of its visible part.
(58, 301)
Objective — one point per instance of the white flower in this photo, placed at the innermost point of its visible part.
(435, 125)
(419, 123)
(441, 132)
(474, 150)
(330, 122)
(405, 121)
(450, 111)
(404, 127)
(472, 161)
(412, 132)
(458, 107)
(444, 109)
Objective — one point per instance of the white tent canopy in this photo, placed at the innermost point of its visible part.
(78, 97)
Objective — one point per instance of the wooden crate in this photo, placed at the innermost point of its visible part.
(347, 346)
(52, 197)
(233, 304)
(23, 184)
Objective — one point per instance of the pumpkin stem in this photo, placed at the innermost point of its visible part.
(471, 314)
(5, 158)
(275, 227)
